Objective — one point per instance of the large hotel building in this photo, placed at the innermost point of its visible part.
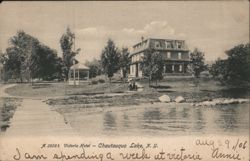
(174, 53)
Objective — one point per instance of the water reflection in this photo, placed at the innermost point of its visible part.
(169, 120)
(152, 116)
(185, 113)
(109, 121)
(228, 119)
(199, 122)
(126, 122)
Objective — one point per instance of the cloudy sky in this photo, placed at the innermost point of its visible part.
(212, 26)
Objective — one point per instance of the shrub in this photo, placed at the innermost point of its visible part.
(101, 81)
(94, 82)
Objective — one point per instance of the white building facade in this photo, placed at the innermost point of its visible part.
(174, 53)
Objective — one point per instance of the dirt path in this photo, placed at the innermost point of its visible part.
(33, 125)
(35, 118)
(3, 87)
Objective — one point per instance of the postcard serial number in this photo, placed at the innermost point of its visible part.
(50, 146)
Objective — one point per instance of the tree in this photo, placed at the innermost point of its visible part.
(153, 65)
(238, 63)
(219, 70)
(23, 46)
(236, 68)
(124, 62)
(67, 45)
(2, 57)
(197, 64)
(95, 67)
(110, 59)
(2, 62)
(48, 65)
(12, 64)
(27, 58)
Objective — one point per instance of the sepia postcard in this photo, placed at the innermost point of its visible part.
(124, 80)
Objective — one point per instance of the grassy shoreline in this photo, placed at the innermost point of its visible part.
(7, 110)
(117, 94)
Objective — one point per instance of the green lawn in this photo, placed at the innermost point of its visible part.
(62, 89)
(116, 93)
(188, 88)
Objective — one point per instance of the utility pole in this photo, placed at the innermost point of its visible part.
(74, 69)
(74, 62)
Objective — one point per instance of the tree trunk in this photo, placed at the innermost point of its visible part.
(110, 84)
(21, 79)
(149, 79)
(31, 80)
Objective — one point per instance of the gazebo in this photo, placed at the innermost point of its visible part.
(78, 74)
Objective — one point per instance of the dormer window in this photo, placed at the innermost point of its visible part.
(168, 44)
(179, 45)
(157, 44)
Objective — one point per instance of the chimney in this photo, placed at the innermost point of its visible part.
(142, 39)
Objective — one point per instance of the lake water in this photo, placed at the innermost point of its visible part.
(158, 119)
(163, 120)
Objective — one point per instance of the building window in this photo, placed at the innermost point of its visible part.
(141, 56)
(179, 55)
(157, 44)
(168, 55)
(145, 43)
(180, 68)
(168, 44)
(178, 45)
(173, 68)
